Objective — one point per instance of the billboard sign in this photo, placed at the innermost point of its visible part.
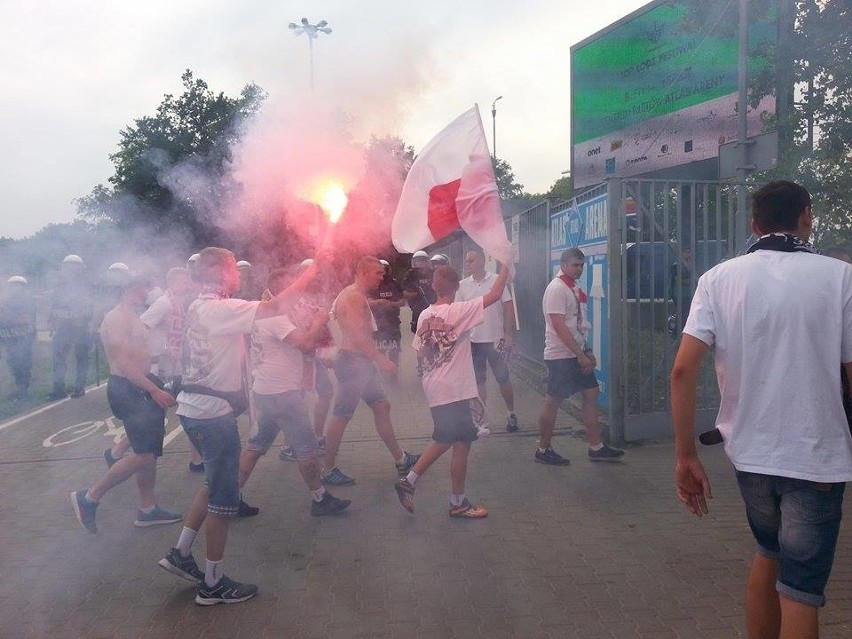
(659, 88)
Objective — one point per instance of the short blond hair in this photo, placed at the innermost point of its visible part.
(211, 264)
(174, 273)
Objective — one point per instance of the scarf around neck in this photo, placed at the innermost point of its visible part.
(785, 242)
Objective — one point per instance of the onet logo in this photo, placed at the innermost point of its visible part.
(595, 151)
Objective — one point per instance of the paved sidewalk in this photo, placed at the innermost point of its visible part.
(587, 551)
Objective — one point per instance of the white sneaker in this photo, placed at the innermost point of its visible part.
(482, 431)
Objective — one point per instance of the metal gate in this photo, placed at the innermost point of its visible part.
(662, 236)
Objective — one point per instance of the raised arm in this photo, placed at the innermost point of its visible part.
(496, 291)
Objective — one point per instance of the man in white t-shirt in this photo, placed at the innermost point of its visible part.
(498, 324)
(208, 407)
(278, 347)
(570, 362)
(780, 321)
(442, 343)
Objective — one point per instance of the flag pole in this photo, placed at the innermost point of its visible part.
(511, 286)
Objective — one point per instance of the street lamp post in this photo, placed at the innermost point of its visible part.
(494, 126)
(312, 31)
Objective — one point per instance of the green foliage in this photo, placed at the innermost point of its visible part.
(561, 190)
(507, 186)
(815, 109)
(197, 127)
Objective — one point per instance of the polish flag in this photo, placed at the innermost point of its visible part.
(451, 186)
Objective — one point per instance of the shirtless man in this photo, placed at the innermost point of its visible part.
(139, 403)
(357, 365)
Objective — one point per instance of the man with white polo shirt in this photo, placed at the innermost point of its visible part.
(497, 326)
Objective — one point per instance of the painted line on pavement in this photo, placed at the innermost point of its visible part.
(38, 411)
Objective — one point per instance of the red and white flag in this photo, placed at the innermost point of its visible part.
(451, 186)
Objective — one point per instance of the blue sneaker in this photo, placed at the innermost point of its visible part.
(183, 567)
(156, 517)
(226, 591)
(108, 458)
(606, 454)
(85, 510)
(336, 477)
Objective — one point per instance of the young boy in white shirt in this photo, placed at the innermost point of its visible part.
(442, 342)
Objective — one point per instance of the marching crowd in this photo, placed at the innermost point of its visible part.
(214, 345)
(779, 319)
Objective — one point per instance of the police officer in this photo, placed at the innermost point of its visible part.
(385, 303)
(417, 286)
(17, 332)
(71, 318)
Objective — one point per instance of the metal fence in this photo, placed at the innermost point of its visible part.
(663, 236)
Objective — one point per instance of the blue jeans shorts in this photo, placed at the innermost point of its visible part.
(219, 443)
(285, 412)
(565, 378)
(357, 378)
(484, 353)
(795, 522)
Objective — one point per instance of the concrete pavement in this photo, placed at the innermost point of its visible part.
(587, 551)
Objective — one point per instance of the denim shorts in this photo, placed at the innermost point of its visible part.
(219, 443)
(143, 418)
(795, 522)
(485, 353)
(357, 378)
(566, 378)
(284, 412)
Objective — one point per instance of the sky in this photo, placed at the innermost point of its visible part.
(74, 74)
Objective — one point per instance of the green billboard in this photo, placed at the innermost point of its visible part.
(646, 82)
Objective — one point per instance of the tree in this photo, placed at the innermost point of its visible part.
(194, 130)
(813, 83)
(561, 190)
(507, 187)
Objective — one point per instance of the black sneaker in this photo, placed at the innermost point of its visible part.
(321, 443)
(405, 493)
(336, 477)
(287, 454)
(551, 457)
(606, 454)
(512, 423)
(196, 468)
(407, 464)
(108, 458)
(245, 510)
(85, 510)
(183, 567)
(226, 591)
(330, 505)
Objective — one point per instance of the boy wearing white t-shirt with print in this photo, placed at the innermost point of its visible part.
(442, 343)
